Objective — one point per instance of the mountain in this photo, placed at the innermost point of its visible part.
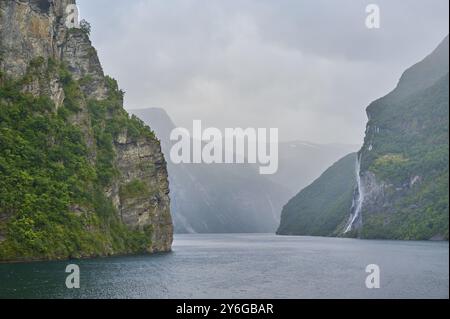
(405, 158)
(300, 163)
(79, 177)
(321, 209)
(402, 170)
(217, 198)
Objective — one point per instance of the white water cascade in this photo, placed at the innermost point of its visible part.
(358, 199)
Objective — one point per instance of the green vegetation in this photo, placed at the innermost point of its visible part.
(52, 203)
(412, 136)
(85, 27)
(322, 208)
(135, 188)
(411, 153)
(109, 120)
(391, 166)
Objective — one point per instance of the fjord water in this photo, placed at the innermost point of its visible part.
(246, 266)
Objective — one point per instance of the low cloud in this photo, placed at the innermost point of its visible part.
(307, 67)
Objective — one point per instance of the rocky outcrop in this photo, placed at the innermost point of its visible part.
(33, 32)
(30, 29)
(36, 28)
(144, 161)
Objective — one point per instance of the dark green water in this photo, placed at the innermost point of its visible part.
(246, 266)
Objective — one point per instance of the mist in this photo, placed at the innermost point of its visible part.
(309, 68)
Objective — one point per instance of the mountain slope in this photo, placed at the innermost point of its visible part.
(217, 198)
(321, 209)
(404, 160)
(78, 176)
(300, 163)
(402, 180)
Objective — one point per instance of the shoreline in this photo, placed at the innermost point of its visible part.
(40, 260)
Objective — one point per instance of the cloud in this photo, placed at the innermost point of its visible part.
(307, 67)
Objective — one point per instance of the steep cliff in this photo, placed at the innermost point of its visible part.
(79, 177)
(403, 189)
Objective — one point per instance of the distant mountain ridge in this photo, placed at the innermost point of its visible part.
(225, 198)
(217, 198)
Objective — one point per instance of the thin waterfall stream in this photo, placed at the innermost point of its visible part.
(358, 198)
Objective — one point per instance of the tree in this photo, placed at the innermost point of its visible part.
(85, 26)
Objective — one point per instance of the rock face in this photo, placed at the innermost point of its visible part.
(36, 28)
(404, 160)
(33, 36)
(144, 161)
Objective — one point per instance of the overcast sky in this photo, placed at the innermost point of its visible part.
(308, 67)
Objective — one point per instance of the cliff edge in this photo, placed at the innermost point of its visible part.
(79, 176)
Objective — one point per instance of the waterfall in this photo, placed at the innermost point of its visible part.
(358, 199)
